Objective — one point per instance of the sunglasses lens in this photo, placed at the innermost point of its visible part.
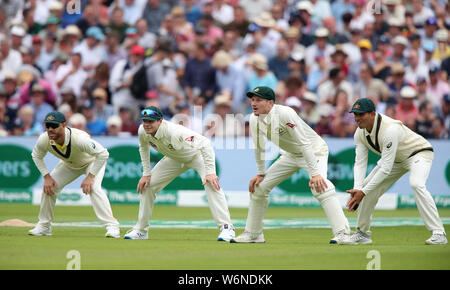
(147, 112)
(51, 125)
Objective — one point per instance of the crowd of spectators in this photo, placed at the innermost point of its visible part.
(101, 61)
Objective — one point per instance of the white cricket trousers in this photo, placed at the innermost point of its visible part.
(162, 174)
(284, 167)
(64, 175)
(419, 167)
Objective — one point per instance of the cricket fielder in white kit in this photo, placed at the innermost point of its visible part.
(183, 149)
(301, 148)
(79, 155)
(401, 150)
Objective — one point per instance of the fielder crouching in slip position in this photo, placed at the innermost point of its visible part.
(401, 150)
(302, 148)
(183, 149)
(79, 155)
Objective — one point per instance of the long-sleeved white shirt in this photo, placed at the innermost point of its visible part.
(287, 130)
(77, 152)
(395, 143)
(178, 143)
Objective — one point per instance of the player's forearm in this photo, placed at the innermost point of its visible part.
(145, 160)
(40, 164)
(375, 182)
(99, 162)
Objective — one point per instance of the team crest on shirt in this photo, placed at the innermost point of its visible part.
(189, 139)
(170, 146)
(290, 125)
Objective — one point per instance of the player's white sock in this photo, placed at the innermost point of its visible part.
(256, 211)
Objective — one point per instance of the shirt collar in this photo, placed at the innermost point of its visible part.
(267, 119)
(374, 129)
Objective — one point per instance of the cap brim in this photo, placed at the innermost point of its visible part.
(150, 118)
(357, 111)
(53, 122)
(251, 94)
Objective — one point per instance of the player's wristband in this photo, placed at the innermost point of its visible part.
(262, 175)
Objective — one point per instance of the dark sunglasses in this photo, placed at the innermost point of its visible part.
(51, 125)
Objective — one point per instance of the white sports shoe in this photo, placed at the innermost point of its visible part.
(136, 235)
(226, 234)
(341, 238)
(361, 238)
(247, 237)
(437, 239)
(40, 231)
(113, 232)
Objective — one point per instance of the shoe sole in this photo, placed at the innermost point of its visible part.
(222, 240)
(333, 242)
(111, 236)
(130, 238)
(39, 235)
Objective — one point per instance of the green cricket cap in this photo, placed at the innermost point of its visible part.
(262, 92)
(55, 117)
(363, 105)
(151, 113)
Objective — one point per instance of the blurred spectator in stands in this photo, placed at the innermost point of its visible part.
(186, 117)
(279, 63)
(424, 119)
(103, 110)
(334, 36)
(437, 87)
(100, 79)
(117, 23)
(89, 19)
(415, 44)
(17, 33)
(199, 75)
(128, 123)
(445, 113)
(192, 11)
(294, 103)
(318, 75)
(37, 102)
(309, 112)
(422, 94)
(7, 115)
(70, 39)
(390, 111)
(405, 110)
(52, 26)
(78, 121)
(222, 12)
(339, 58)
(428, 32)
(399, 43)
(342, 124)
(17, 128)
(336, 80)
(365, 47)
(397, 80)
(421, 12)
(297, 66)
(339, 7)
(114, 124)
(114, 52)
(154, 13)
(11, 90)
(222, 123)
(381, 68)
(132, 10)
(48, 53)
(429, 61)
(31, 127)
(183, 29)
(25, 92)
(323, 127)
(66, 110)
(292, 86)
(370, 86)
(261, 76)
(29, 19)
(211, 32)
(395, 27)
(240, 21)
(29, 62)
(320, 47)
(232, 43)
(395, 10)
(361, 16)
(72, 74)
(122, 77)
(10, 60)
(414, 69)
(230, 77)
(442, 50)
(438, 129)
(293, 37)
(253, 8)
(94, 126)
(265, 36)
(277, 11)
(169, 80)
(91, 49)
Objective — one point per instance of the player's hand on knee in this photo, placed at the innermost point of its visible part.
(318, 183)
(143, 184)
(88, 184)
(255, 181)
(213, 180)
(49, 185)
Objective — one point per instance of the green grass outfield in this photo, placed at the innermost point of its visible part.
(399, 247)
